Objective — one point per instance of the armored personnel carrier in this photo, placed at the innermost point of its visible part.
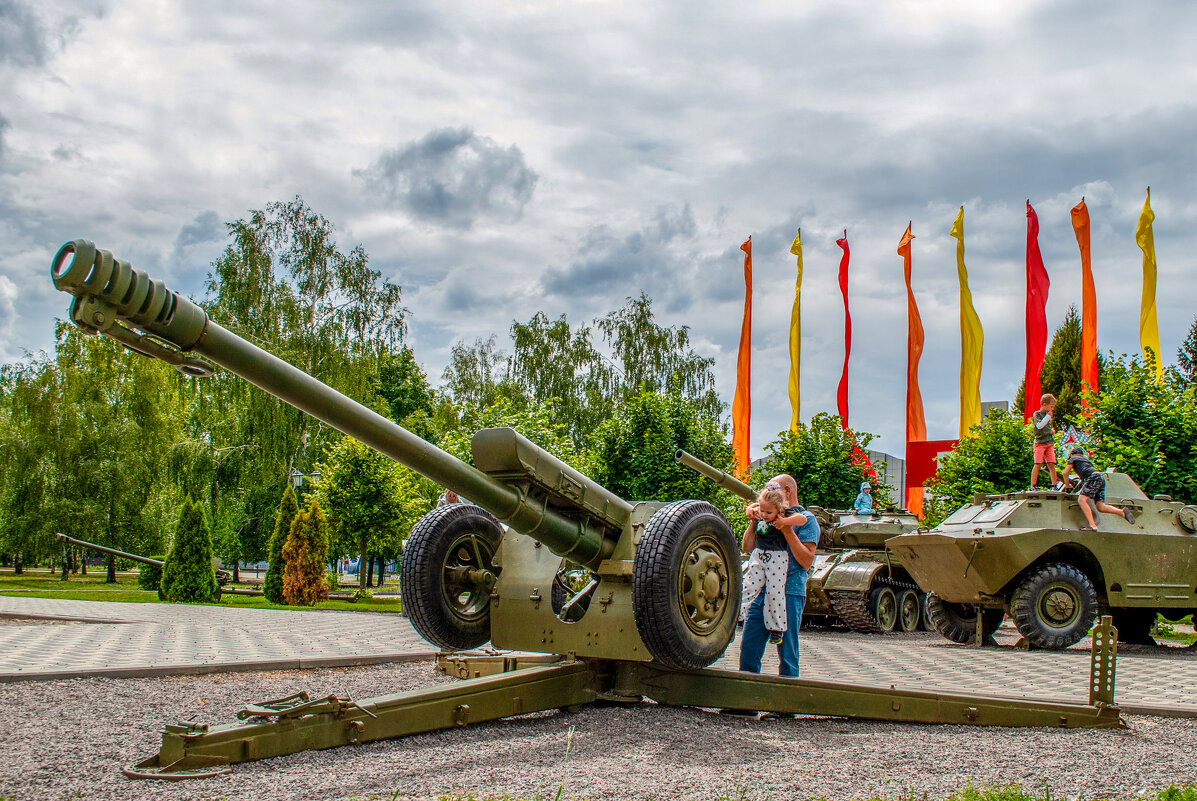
(1023, 554)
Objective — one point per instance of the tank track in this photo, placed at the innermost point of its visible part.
(853, 607)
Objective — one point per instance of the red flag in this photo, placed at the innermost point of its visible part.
(841, 395)
(1037, 285)
(742, 402)
(1080, 226)
(916, 425)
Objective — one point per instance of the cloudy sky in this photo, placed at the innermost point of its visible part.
(499, 158)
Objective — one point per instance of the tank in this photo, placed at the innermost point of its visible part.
(854, 580)
(1023, 554)
(663, 579)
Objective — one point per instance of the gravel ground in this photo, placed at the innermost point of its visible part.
(67, 739)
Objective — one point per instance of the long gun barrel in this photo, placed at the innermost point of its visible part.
(578, 519)
(726, 480)
(145, 560)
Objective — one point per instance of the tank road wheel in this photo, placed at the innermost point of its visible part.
(1134, 625)
(447, 575)
(1055, 606)
(958, 622)
(883, 604)
(910, 609)
(686, 584)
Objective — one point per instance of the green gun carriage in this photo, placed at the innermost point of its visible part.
(659, 607)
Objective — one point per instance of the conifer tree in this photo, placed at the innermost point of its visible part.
(1186, 356)
(188, 575)
(288, 508)
(304, 556)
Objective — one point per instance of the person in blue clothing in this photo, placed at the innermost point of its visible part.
(768, 561)
(801, 531)
(863, 505)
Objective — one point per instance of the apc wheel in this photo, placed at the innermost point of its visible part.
(447, 575)
(958, 622)
(686, 584)
(1055, 606)
(910, 611)
(1134, 625)
(883, 605)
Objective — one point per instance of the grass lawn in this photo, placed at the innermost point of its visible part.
(92, 588)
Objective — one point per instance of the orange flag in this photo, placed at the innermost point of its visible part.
(916, 426)
(742, 403)
(1080, 226)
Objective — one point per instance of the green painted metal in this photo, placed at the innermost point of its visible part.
(500, 686)
(982, 552)
(103, 305)
(1103, 659)
(145, 560)
(721, 478)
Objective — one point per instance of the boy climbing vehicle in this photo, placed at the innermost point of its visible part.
(1092, 489)
(1045, 439)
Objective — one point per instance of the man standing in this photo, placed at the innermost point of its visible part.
(802, 541)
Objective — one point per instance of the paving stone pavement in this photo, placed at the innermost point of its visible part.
(135, 639)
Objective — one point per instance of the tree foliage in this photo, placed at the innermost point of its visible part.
(288, 508)
(634, 452)
(188, 575)
(1061, 373)
(305, 555)
(823, 459)
(1186, 355)
(83, 438)
(284, 284)
(1147, 429)
(371, 501)
(996, 459)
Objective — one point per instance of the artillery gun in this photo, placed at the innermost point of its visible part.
(223, 577)
(854, 580)
(1023, 554)
(662, 604)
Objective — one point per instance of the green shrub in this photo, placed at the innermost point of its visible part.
(288, 508)
(149, 577)
(188, 575)
(305, 554)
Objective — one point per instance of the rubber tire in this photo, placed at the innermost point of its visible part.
(958, 622)
(905, 624)
(1134, 625)
(1024, 604)
(657, 605)
(879, 596)
(421, 577)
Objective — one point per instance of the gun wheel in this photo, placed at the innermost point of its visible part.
(447, 575)
(686, 584)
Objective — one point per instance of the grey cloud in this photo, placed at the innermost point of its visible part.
(206, 227)
(8, 309)
(22, 39)
(453, 177)
(4, 126)
(606, 260)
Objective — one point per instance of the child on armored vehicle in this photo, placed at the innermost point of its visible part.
(863, 505)
(769, 560)
(1092, 489)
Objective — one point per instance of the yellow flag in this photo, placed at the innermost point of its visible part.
(796, 334)
(971, 340)
(1149, 328)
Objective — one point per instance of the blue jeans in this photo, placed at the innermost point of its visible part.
(756, 636)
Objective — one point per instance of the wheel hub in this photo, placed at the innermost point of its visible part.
(1058, 606)
(704, 586)
(467, 578)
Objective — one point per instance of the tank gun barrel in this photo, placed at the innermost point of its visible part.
(145, 560)
(725, 480)
(113, 299)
